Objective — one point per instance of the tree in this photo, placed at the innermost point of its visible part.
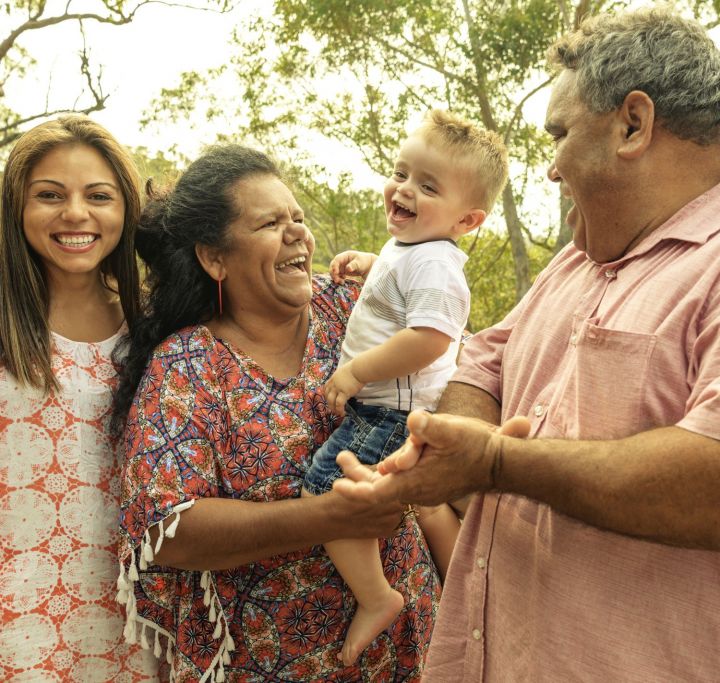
(25, 16)
(471, 57)
(358, 72)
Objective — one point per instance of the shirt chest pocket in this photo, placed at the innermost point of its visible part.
(602, 393)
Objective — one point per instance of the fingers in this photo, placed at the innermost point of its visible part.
(517, 426)
(402, 459)
(335, 272)
(358, 481)
(353, 469)
(343, 264)
(336, 400)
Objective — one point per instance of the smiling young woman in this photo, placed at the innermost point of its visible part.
(68, 293)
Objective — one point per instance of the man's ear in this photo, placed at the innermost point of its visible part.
(211, 261)
(471, 220)
(637, 118)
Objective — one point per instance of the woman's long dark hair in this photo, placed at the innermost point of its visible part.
(198, 210)
(25, 346)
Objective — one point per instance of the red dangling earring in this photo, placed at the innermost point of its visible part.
(219, 297)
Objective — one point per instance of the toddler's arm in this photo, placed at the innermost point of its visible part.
(351, 263)
(404, 353)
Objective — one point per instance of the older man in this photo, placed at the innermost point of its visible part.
(594, 556)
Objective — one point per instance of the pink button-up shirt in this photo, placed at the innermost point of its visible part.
(594, 351)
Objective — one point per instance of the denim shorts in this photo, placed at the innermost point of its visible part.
(371, 432)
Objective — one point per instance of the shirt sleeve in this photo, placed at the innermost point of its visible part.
(174, 421)
(703, 404)
(480, 362)
(437, 296)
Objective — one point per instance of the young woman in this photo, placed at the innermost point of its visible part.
(68, 292)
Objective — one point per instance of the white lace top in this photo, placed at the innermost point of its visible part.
(59, 491)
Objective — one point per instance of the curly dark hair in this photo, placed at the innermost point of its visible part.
(198, 210)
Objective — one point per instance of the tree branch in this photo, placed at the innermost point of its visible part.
(519, 107)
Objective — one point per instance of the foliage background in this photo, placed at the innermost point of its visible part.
(328, 87)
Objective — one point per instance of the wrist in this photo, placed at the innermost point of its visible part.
(354, 367)
(496, 453)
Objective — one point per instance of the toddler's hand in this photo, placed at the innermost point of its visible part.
(342, 386)
(351, 263)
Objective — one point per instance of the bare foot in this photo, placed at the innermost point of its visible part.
(368, 623)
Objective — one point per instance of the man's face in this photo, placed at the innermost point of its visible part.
(589, 171)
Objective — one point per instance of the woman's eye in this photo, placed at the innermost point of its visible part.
(270, 224)
(47, 194)
(100, 197)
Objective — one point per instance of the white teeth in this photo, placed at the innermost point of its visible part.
(402, 206)
(79, 241)
(291, 262)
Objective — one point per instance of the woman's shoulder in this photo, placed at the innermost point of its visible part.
(338, 299)
(192, 339)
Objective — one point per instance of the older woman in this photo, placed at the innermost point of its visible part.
(220, 555)
(68, 290)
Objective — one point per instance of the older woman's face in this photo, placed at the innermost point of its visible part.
(269, 264)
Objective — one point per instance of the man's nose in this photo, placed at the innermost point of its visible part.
(552, 173)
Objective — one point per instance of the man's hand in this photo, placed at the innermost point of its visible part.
(343, 385)
(459, 457)
(348, 263)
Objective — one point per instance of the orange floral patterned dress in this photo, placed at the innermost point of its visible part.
(209, 422)
(59, 488)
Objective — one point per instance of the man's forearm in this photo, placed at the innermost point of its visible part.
(662, 485)
(465, 399)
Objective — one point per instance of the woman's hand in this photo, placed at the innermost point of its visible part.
(351, 263)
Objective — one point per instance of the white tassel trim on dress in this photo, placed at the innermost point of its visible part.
(126, 596)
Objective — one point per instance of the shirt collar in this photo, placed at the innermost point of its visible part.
(695, 222)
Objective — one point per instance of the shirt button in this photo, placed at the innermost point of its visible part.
(539, 410)
(476, 634)
(481, 562)
(610, 274)
(573, 338)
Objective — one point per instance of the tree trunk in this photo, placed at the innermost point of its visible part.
(521, 261)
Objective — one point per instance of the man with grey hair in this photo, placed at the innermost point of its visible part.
(593, 554)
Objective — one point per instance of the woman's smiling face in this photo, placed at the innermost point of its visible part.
(74, 210)
(268, 266)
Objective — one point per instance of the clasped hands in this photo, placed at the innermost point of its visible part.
(445, 458)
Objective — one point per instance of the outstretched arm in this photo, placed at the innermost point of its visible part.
(662, 485)
(404, 353)
(221, 533)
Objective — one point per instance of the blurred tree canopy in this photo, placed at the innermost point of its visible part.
(357, 72)
(21, 17)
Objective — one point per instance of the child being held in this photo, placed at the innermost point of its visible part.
(403, 336)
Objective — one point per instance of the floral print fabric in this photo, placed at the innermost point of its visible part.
(207, 421)
(59, 490)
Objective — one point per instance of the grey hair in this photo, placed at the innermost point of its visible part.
(669, 58)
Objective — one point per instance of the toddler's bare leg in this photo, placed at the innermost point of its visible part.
(358, 561)
(441, 527)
